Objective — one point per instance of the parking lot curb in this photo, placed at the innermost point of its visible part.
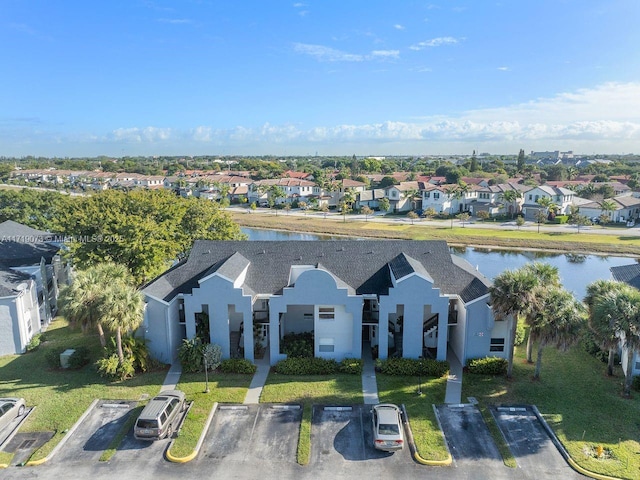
(35, 463)
(433, 463)
(13, 434)
(195, 452)
(572, 463)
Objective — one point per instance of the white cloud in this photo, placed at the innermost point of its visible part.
(435, 42)
(175, 21)
(386, 53)
(326, 54)
(504, 69)
(397, 26)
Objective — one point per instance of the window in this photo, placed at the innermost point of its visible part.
(436, 195)
(637, 367)
(497, 345)
(326, 345)
(326, 313)
(427, 194)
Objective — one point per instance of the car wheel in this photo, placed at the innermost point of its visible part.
(21, 410)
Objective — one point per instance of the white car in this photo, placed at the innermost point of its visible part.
(387, 427)
(10, 408)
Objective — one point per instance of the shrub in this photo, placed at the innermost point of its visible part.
(487, 366)
(521, 333)
(237, 365)
(425, 367)
(34, 343)
(213, 354)
(298, 345)
(307, 366)
(352, 366)
(111, 367)
(190, 355)
(80, 358)
(137, 349)
(560, 219)
(52, 357)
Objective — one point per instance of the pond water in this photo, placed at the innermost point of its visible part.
(576, 271)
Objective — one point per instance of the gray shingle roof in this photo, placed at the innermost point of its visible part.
(9, 281)
(22, 245)
(362, 265)
(627, 273)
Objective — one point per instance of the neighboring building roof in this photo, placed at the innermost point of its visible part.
(10, 280)
(627, 273)
(22, 245)
(362, 265)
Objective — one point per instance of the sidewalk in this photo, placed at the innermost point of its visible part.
(454, 381)
(173, 376)
(369, 384)
(259, 378)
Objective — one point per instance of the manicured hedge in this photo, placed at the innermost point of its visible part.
(318, 366)
(560, 219)
(487, 366)
(425, 367)
(237, 365)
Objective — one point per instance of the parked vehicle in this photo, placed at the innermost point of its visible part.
(387, 427)
(160, 417)
(10, 408)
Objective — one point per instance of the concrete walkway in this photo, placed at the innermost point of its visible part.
(259, 378)
(173, 376)
(369, 384)
(454, 381)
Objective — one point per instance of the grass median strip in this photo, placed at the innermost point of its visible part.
(62, 396)
(579, 402)
(427, 435)
(223, 388)
(307, 390)
(122, 433)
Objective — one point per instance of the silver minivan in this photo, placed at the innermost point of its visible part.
(160, 416)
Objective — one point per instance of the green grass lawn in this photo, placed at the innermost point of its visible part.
(582, 405)
(223, 388)
(424, 425)
(61, 396)
(340, 389)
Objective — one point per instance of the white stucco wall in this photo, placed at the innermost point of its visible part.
(414, 292)
(318, 287)
(9, 334)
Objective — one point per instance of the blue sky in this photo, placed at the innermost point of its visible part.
(198, 77)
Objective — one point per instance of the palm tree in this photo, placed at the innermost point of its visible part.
(511, 294)
(81, 301)
(557, 322)
(546, 277)
(511, 196)
(122, 310)
(412, 194)
(608, 207)
(602, 326)
(622, 306)
(548, 204)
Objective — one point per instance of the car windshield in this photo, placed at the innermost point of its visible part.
(147, 423)
(388, 429)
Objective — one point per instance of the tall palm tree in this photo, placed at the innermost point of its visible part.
(511, 294)
(81, 301)
(122, 310)
(547, 277)
(556, 322)
(412, 194)
(511, 196)
(608, 207)
(602, 325)
(622, 306)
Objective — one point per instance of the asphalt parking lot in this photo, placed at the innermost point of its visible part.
(345, 434)
(530, 444)
(467, 435)
(95, 432)
(255, 432)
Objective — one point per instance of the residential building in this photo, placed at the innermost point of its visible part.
(562, 198)
(404, 298)
(30, 272)
(627, 209)
(629, 274)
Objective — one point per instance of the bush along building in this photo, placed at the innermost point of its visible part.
(400, 298)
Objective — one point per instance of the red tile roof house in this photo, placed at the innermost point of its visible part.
(408, 298)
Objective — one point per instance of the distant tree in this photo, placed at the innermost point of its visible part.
(520, 222)
(344, 209)
(463, 217)
(541, 217)
(324, 209)
(287, 207)
(581, 221)
(430, 213)
(412, 216)
(521, 161)
(366, 211)
(608, 207)
(387, 182)
(253, 206)
(384, 204)
(483, 215)
(600, 322)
